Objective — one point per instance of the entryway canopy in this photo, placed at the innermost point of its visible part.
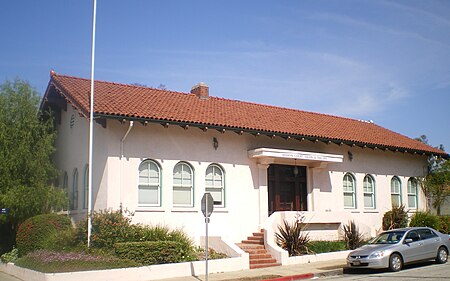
(271, 155)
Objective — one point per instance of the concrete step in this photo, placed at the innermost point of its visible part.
(257, 242)
(254, 266)
(263, 261)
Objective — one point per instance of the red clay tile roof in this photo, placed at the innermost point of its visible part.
(113, 100)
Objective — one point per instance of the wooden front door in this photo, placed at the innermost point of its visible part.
(287, 188)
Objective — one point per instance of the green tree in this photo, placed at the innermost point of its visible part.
(436, 185)
(26, 145)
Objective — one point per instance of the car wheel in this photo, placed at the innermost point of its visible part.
(442, 255)
(395, 262)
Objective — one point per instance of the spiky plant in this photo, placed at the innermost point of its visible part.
(352, 236)
(397, 217)
(293, 237)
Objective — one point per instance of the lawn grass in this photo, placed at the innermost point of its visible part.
(326, 246)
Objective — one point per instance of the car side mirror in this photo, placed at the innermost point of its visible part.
(408, 240)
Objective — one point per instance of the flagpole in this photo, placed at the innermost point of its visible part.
(91, 127)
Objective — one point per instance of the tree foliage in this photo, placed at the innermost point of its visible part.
(436, 185)
(26, 147)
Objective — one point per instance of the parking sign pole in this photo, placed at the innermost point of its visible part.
(206, 242)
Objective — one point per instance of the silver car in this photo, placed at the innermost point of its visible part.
(394, 248)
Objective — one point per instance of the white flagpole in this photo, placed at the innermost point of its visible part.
(91, 127)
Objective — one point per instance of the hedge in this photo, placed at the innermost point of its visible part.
(152, 252)
(38, 232)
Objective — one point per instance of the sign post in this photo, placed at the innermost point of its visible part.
(207, 209)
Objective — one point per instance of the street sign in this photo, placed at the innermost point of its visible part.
(4, 211)
(207, 209)
(207, 204)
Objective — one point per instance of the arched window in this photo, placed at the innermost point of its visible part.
(74, 195)
(215, 184)
(369, 192)
(149, 190)
(396, 192)
(183, 185)
(65, 187)
(86, 187)
(412, 193)
(349, 186)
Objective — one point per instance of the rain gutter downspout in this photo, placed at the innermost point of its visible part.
(121, 156)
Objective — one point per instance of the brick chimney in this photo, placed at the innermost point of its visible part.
(201, 90)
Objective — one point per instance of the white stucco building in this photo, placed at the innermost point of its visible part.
(156, 153)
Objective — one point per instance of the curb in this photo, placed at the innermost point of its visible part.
(308, 275)
(292, 277)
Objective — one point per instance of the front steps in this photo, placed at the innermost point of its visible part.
(259, 256)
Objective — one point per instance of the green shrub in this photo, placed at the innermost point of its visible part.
(293, 237)
(164, 233)
(444, 224)
(152, 252)
(199, 254)
(327, 246)
(10, 256)
(397, 217)
(352, 236)
(37, 232)
(425, 219)
(108, 227)
(51, 261)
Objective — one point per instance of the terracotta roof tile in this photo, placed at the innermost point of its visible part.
(136, 102)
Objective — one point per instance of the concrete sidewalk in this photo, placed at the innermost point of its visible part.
(307, 270)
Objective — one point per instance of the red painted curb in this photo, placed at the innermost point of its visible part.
(292, 278)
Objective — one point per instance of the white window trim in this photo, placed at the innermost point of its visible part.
(222, 188)
(399, 194)
(410, 181)
(353, 193)
(191, 186)
(159, 185)
(372, 193)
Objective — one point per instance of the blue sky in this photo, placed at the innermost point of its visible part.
(386, 61)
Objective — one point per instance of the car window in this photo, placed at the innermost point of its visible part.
(390, 237)
(426, 233)
(413, 235)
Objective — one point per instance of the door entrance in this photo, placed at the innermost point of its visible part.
(287, 188)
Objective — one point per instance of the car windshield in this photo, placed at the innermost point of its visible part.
(391, 237)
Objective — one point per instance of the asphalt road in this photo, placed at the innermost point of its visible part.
(421, 271)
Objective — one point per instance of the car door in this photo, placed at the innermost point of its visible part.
(412, 251)
(430, 242)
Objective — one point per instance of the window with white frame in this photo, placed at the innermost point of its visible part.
(349, 186)
(412, 193)
(74, 193)
(215, 184)
(369, 192)
(396, 192)
(86, 187)
(183, 185)
(149, 189)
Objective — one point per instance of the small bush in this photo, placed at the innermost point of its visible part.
(51, 262)
(108, 227)
(199, 254)
(327, 246)
(425, 219)
(37, 232)
(397, 217)
(293, 237)
(10, 256)
(164, 233)
(352, 236)
(444, 224)
(152, 252)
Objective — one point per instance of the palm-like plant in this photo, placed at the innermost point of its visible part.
(293, 237)
(352, 236)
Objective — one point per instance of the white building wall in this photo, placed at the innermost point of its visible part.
(245, 211)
